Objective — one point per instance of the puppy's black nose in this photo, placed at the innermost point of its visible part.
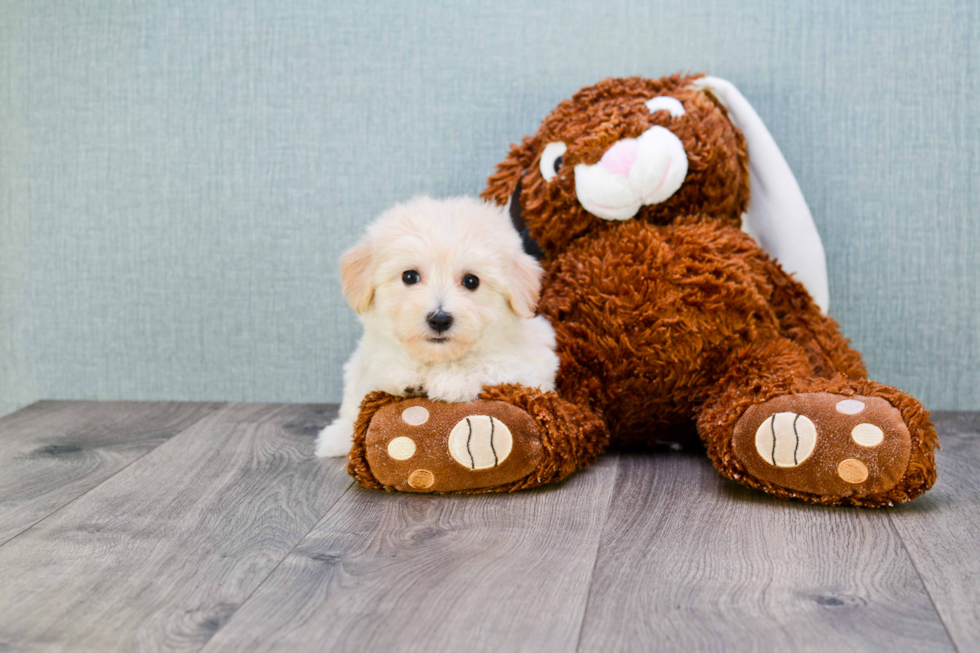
(439, 321)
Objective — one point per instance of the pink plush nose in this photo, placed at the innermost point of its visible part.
(619, 158)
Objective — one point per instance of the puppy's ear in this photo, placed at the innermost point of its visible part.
(355, 276)
(525, 285)
(501, 184)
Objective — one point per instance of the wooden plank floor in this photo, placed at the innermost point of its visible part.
(210, 527)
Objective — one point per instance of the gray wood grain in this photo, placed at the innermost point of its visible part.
(941, 530)
(691, 562)
(390, 572)
(54, 451)
(160, 527)
(158, 556)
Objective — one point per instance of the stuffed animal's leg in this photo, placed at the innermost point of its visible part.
(771, 424)
(800, 320)
(511, 438)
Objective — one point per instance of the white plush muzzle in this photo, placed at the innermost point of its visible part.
(634, 172)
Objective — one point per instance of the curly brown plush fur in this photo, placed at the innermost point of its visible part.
(357, 464)
(717, 184)
(676, 315)
(572, 436)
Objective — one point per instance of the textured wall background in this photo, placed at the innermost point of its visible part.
(178, 179)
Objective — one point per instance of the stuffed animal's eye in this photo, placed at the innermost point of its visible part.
(410, 277)
(666, 103)
(471, 282)
(551, 159)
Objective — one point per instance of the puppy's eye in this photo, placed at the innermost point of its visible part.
(471, 282)
(410, 277)
(551, 159)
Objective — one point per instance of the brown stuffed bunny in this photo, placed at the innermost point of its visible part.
(667, 314)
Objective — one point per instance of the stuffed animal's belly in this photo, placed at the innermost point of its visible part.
(646, 316)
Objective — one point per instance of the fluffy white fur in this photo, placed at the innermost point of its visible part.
(494, 338)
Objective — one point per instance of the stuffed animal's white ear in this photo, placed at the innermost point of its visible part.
(778, 217)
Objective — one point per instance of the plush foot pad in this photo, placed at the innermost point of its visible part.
(418, 445)
(824, 444)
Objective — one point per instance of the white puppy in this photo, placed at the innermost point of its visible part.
(446, 296)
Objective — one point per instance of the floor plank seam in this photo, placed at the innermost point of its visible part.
(278, 564)
(99, 484)
(925, 587)
(598, 548)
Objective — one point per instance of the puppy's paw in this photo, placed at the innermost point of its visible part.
(453, 390)
(336, 439)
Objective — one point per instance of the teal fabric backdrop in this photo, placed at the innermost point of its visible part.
(178, 179)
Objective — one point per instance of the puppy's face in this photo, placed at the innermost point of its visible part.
(437, 275)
